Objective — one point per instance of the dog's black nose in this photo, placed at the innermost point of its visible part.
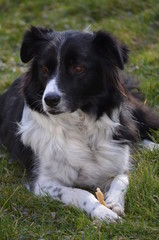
(52, 99)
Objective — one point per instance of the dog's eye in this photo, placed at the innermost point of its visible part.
(45, 70)
(78, 69)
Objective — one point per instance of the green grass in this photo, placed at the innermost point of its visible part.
(25, 216)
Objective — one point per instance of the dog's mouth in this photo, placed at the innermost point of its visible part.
(62, 107)
(54, 112)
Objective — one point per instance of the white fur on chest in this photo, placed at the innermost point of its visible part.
(74, 148)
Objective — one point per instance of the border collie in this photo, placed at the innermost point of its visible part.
(71, 120)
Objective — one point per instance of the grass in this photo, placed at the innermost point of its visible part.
(25, 216)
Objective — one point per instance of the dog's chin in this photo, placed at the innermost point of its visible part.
(54, 112)
(57, 111)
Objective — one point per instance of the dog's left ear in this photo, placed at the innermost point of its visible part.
(111, 48)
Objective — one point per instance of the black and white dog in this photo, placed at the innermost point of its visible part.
(71, 120)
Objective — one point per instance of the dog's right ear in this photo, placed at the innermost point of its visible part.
(33, 41)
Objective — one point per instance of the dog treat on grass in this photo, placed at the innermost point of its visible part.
(100, 196)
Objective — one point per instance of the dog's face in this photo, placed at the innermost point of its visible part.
(70, 70)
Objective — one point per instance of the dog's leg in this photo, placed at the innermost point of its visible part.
(115, 195)
(149, 144)
(76, 197)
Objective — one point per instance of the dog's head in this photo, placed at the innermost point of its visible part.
(72, 70)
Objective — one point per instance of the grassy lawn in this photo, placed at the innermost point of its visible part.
(134, 22)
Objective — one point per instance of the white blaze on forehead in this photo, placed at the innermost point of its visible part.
(51, 87)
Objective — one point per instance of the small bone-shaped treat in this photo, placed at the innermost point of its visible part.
(100, 196)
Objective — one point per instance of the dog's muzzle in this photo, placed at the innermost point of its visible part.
(52, 99)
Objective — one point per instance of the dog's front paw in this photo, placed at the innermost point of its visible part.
(103, 213)
(115, 207)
